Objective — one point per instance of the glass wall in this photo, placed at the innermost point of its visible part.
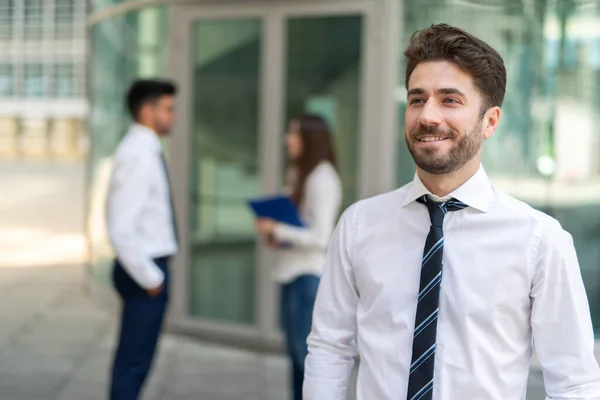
(123, 48)
(546, 150)
(100, 4)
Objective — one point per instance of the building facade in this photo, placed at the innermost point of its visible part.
(42, 77)
(245, 67)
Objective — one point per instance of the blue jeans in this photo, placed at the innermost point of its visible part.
(141, 322)
(297, 302)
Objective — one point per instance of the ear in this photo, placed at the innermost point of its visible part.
(491, 119)
(143, 113)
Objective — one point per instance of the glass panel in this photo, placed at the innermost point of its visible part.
(324, 77)
(546, 149)
(6, 18)
(64, 14)
(34, 81)
(33, 18)
(225, 171)
(116, 63)
(64, 80)
(100, 4)
(6, 80)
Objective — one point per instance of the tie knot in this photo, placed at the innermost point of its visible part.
(438, 210)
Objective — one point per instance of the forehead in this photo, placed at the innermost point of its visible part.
(166, 98)
(432, 76)
(294, 125)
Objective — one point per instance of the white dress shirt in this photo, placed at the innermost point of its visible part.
(139, 217)
(319, 210)
(510, 272)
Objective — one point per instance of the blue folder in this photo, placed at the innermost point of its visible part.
(279, 208)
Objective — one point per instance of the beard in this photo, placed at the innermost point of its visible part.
(436, 162)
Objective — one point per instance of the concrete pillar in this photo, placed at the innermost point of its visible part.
(64, 138)
(9, 137)
(34, 138)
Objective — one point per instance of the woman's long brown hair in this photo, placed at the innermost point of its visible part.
(317, 146)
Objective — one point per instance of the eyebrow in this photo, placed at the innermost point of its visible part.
(418, 91)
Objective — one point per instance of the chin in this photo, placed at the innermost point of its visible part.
(434, 167)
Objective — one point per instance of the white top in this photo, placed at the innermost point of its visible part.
(139, 217)
(319, 210)
(509, 272)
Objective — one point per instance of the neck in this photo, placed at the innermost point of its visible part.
(443, 185)
(149, 126)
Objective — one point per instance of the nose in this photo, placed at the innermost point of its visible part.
(431, 114)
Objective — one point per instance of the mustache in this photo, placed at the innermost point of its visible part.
(423, 130)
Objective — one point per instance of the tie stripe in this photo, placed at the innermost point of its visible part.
(426, 323)
(420, 381)
(422, 359)
(434, 249)
(435, 281)
(423, 391)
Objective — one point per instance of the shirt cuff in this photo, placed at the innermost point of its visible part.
(281, 232)
(153, 278)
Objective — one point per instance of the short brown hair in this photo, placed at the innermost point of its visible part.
(443, 42)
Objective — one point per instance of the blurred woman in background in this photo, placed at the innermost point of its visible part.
(314, 185)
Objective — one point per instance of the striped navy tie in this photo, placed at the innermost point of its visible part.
(420, 381)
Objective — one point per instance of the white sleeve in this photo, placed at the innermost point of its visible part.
(322, 202)
(561, 322)
(332, 341)
(129, 188)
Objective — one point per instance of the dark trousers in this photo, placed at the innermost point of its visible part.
(297, 303)
(141, 322)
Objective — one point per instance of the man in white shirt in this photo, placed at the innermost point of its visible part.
(510, 273)
(141, 227)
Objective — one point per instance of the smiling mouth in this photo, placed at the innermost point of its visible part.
(432, 139)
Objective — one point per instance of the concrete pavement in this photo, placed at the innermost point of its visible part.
(56, 343)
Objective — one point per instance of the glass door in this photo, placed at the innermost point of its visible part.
(224, 167)
(244, 70)
(217, 59)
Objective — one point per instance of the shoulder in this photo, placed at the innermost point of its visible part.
(546, 228)
(324, 170)
(136, 147)
(376, 209)
(324, 175)
(385, 201)
(519, 209)
(131, 158)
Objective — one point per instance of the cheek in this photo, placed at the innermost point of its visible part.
(294, 144)
(168, 117)
(458, 125)
(411, 118)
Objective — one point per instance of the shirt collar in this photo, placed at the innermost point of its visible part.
(476, 192)
(147, 134)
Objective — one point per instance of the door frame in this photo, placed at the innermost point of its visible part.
(271, 113)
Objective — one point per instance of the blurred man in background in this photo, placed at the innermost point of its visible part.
(142, 230)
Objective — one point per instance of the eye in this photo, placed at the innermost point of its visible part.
(416, 101)
(451, 101)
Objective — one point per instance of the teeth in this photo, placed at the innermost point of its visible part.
(431, 139)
